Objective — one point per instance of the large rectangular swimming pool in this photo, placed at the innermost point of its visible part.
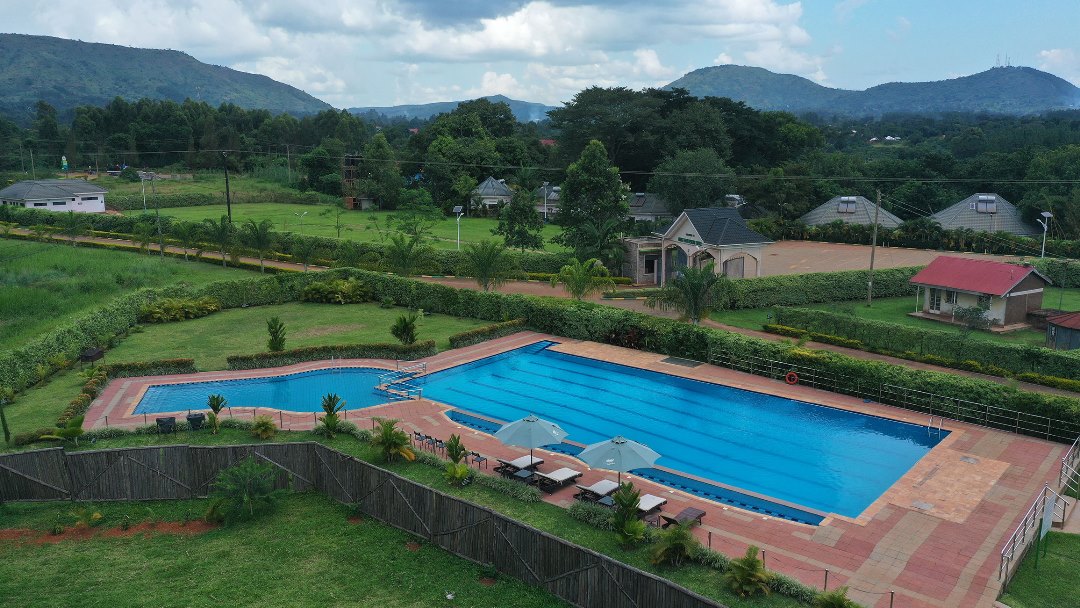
(828, 459)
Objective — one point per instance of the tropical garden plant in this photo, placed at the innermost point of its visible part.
(305, 251)
(276, 330)
(404, 329)
(837, 598)
(142, 234)
(628, 527)
(403, 254)
(332, 406)
(244, 491)
(675, 545)
(188, 234)
(457, 472)
(746, 576)
(216, 403)
(69, 432)
(580, 279)
(694, 292)
(488, 262)
(221, 233)
(263, 427)
(391, 441)
(260, 237)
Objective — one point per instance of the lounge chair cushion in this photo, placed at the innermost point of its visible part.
(649, 502)
(601, 488)
(562, 475)
(526, 462)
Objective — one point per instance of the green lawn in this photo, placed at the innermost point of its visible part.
(45, 285)
(241, 186)
(1056, 581)
(547, 517)
(895, 310)
(231, 332)
(356, 224)
(306, 553)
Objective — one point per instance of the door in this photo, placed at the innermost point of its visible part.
(734, 268)
(935, 301)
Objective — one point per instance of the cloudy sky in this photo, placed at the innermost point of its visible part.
(386, 52)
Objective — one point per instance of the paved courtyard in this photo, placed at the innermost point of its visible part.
(932, 539)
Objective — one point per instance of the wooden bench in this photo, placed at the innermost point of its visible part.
(690, 514)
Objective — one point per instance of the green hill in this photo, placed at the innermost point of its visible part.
(69, 73)
(1005, 90)
(524, 111)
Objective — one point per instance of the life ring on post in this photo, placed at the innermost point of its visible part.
(791, 378)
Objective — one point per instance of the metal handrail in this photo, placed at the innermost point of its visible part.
(1070, 457)
(1022, 537)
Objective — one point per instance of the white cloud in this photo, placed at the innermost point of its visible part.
(900, 30)
(778, 58)
(723, 58)
(846, 8)
(1061, 62)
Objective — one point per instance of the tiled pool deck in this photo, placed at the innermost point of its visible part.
(933, 538)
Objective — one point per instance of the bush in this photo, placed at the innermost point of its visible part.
(747, 576)
(263, 427)
(597, 516)
(418, 350)
(275, 343)
(817, 287)
(802, 334)
(837, 598)
(1053, 381)
(509, 487)
(337, 291)
(676, 545)
(404, 328)
(178, 309)
(488, 332)
(244, 491)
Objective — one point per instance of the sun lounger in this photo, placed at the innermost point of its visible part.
(518, 464)
(596, 491)
(549, 482)
(688, 514)
(649, 503)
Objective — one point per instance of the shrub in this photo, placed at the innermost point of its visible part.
(837, 598)
(178, 309)
(1062, 383)
(593, 514)
(244, 491)
(161, 367)
(404, 329)
(458, 473)
(624, 518)
(263, 427)
(818, 287)
(418, 350)
(747, 576)
(391, 441)
(276, 330)
(332, 405)
(508, 487)
(675, 545)
(216, 403)
(488, 332)
(337, 291)
(386, 302)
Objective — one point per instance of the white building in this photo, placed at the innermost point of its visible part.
(55, 195)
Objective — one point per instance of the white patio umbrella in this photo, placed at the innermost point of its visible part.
(618, 454)
(530, 432)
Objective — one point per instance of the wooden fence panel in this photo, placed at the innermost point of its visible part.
(292, 462)
(35, 475)
(337, 475)
(462, 528)
(130, 474)
(296, 460)
(515, 550)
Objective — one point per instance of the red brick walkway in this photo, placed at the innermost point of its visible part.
(942, 554)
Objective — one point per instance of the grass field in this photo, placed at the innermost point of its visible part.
(306, 553)
(1055, 582)
(44, 285)
(895, 310)
(547, 517)
(240, 185)
(231, 332)
(356, 224)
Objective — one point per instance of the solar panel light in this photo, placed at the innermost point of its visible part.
(458, 209)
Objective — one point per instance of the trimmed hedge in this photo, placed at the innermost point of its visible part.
(949, 345)
(488, 332)
(103, 373)
(418, 350)
(795, 332)
(818, 287)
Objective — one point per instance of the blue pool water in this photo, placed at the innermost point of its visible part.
(300, 392)
(828, 460)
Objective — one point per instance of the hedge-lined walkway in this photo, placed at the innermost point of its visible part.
(944, 554)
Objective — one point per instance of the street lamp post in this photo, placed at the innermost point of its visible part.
(459, 211)
(301, 216)
(228, 197)
(1045, 223)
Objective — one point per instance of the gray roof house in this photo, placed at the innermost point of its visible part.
(850, 210)
(547, 200)
(985, 212)
(491, 193)
(647, 207)
(55, 195)
(698, 237)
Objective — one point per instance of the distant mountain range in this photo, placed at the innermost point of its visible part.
(69, 73)
(1003, 90)
(524, 111)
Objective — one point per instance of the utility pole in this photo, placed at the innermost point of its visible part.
(288, 165)
(228, 198)
(22, 160)
(157, 212)
(33, 170)
(873, 250)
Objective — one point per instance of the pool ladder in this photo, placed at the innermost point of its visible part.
(930, 425)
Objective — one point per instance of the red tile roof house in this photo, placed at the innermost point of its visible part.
(1007, 290)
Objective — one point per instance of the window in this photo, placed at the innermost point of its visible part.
(984, 301)
(41, 204)
(650, 265)
(89, 198)
(55, 203)
(846, 205)
(950, 297)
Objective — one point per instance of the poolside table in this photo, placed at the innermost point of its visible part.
(687, 514)
(525, 475)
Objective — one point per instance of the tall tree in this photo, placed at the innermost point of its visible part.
(519, 223)
(488, 263)
(691, 179)
(592, 192)
(380, 176)
(221, 233)
(583, 278)
(260, 237)
(694, 292)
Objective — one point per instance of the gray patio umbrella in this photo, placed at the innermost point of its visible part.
(618, 454)
(530, 432)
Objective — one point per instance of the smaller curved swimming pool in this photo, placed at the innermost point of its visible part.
(299, 392)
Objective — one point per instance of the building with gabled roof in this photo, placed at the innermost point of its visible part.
(1007, 291)
(850, 210)
(647, 207)
(698, 237)
(1063, 331)
(75, 195)
(491, 194)
(985, 212)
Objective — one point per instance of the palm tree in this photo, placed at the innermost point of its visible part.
(403, 254)
(694, 292)
(332, 406)
(747, 576)
(143, 234)
(600, 240)
(221, 234)
(583, 278)
(73, 227)
(216, 403)
(391, 440)
(488, 262)
(404, 329)
(675, 545)
(260, 237)
(188, 234)
(304, 251)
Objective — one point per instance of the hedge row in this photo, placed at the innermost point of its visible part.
(818, 287)
(594, 322)
(489, 332)
(418, 350)
(795, 332)
(899, 338)
(103, 373)
(132, 202)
